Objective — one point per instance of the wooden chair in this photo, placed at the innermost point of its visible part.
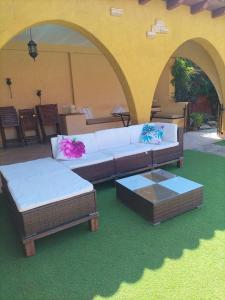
(29, 123)
(9, 119)
(48, 117)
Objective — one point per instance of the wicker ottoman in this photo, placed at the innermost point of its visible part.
(159, 195)
(47, 203)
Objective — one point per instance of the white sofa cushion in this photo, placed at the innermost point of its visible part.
(170, 131)
(127, 150)
(33, 168)
(161, 146)
(34, 192)
(87, 160)
(88, 139)
(54, 145)
(115, 137)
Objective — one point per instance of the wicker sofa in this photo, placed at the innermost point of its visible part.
(116, 152)
(45, 196)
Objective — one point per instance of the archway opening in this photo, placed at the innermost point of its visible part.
(205, 92)
(71, 70)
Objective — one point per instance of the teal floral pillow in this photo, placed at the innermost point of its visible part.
(152, 134)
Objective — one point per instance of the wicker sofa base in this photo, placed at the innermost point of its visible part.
(160, 157)
(128, 165)
(98, 172)
(48, 219)
(135, 162)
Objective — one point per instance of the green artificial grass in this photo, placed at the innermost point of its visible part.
(221, 143)
(128, 258)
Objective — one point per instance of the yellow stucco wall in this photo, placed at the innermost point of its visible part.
(138, 61)
(59, 71)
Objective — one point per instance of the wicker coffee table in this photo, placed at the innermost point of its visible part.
(159, 195)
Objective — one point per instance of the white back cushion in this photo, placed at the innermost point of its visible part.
(54, 146)
(170, 132)
(115, 137)
(88, 139)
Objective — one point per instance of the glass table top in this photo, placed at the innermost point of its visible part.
(158, 185)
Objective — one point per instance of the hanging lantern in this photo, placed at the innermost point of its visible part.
(32, 47)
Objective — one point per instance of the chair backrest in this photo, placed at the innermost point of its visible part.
(48, 114)
(8, 117)
(28, 119)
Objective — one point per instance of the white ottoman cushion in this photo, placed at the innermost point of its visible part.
(32, 168)
(34, 192)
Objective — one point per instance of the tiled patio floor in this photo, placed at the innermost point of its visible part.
(20, 154)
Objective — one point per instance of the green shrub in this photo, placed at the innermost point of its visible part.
(196, 120)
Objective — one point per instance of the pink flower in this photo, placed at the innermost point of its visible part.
(72, 148)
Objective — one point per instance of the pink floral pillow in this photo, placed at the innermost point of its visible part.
(69, 149)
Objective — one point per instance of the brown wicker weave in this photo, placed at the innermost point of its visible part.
(133, 163)
(173, 154)
(157, 203)
(98, 172)
(48, 219)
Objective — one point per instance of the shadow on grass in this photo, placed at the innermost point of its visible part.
(78, 264)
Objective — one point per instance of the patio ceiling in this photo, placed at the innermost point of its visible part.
(55, 35)
(216, 7)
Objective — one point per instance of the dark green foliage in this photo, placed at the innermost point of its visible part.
(190, 82)
(196, 120)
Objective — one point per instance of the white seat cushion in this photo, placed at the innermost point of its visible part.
(87, 160)
(34, 192)
(115, 137)
(162, 146)
(33, 168)
(123, 151)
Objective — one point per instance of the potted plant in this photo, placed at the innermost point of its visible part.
(196, 120)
